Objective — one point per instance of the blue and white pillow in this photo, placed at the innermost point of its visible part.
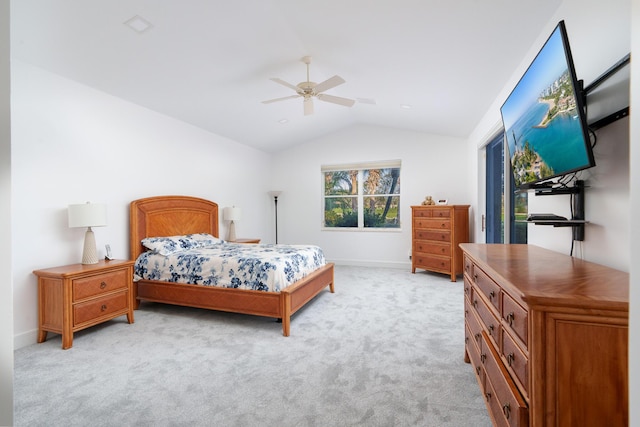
(168, 245)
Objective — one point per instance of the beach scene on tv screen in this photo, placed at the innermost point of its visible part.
(542, 126)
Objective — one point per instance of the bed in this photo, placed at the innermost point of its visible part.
(182, 215)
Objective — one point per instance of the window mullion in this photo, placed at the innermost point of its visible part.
(360, 199)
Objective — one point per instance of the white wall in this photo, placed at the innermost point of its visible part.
(431, 165)
(599, 35)
(72, 144)
(6, 299)
(634, 312)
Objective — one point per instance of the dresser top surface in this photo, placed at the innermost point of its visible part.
(541, 276)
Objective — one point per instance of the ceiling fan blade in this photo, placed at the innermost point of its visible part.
(308, 106)
(328, 84)
(336, 100)
(269, 101)
(282, 82)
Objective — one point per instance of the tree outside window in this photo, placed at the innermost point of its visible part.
(362, 197)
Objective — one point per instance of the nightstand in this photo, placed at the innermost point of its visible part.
(77, 296)
(246, 241)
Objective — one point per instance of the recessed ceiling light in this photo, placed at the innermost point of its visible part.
(138, 24)
(283, 121)
(405, 106)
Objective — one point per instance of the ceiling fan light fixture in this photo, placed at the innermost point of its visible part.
(308, 89)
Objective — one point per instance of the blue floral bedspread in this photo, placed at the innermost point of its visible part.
(232, 265)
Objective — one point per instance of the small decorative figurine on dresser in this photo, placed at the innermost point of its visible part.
(428, 201)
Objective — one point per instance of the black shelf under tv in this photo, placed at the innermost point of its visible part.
(577, 221)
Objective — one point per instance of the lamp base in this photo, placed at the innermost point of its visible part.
(232, 232)
(89, 252)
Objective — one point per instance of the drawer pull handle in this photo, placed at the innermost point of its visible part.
(483, 357)
(475, 303)
(510, 318)
(488, 396)
(475, 277)
(477, 336)
(510, 358)
(466, 340)
(506, 409)
(103, 285)
(103, 307)
(492, 295)
(478, 370)
(491, 328)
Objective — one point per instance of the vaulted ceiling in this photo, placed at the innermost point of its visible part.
(433, 66)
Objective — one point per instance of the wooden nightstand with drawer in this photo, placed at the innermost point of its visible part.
(250, 240)
(77, 296)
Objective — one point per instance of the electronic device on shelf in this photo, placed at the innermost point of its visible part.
(544, 117)
(545, 217)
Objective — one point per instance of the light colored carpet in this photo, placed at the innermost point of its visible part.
(385, 350)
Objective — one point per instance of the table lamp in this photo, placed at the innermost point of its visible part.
(232, 214)
(88, 215)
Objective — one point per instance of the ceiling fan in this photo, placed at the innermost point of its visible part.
(308, 90)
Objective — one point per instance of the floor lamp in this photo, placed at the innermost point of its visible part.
(275, 194)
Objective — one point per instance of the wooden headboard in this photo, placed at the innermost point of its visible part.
(170, 216)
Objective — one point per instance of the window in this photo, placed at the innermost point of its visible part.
(362, 196)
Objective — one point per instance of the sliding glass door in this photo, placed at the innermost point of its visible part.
(499, 227)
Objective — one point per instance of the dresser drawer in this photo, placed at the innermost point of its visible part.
(100, 307)
(442, 213)
(432, 248)
(516, 318)
(422, 213)
(468, 266)
(488, 287)
(99, 284)
(435, 235)
(490, 321)
(434, 262)
(474, 356)
(468, 290)
(432, 223)
(473, 324)
(516, 361)
(510, 408)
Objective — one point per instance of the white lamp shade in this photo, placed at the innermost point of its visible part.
(232, 214)
(275, 193)
(87, 215)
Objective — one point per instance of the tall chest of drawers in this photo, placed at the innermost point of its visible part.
(436, 232)
(547, 336)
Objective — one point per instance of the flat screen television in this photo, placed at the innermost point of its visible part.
(544, 117)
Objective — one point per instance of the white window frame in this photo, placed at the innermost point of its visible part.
(360, 167)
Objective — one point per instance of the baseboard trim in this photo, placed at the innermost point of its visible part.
(24, 339)
(401, 265)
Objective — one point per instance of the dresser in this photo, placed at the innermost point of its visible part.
(77, 296)
(436, 233)
(547, 336)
